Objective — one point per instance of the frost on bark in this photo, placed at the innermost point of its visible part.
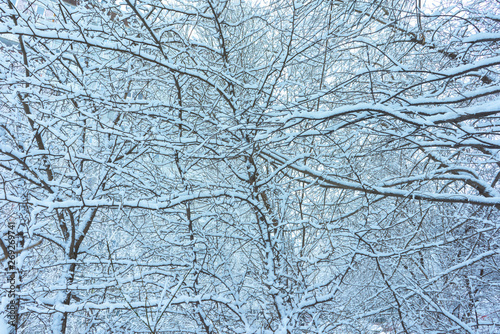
(230, 167)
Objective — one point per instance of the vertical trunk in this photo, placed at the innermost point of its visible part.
(60, 319)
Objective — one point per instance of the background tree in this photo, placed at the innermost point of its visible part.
(228, 167)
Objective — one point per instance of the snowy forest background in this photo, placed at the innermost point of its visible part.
(282, 166)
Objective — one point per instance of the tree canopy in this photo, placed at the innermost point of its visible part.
(231, 166)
